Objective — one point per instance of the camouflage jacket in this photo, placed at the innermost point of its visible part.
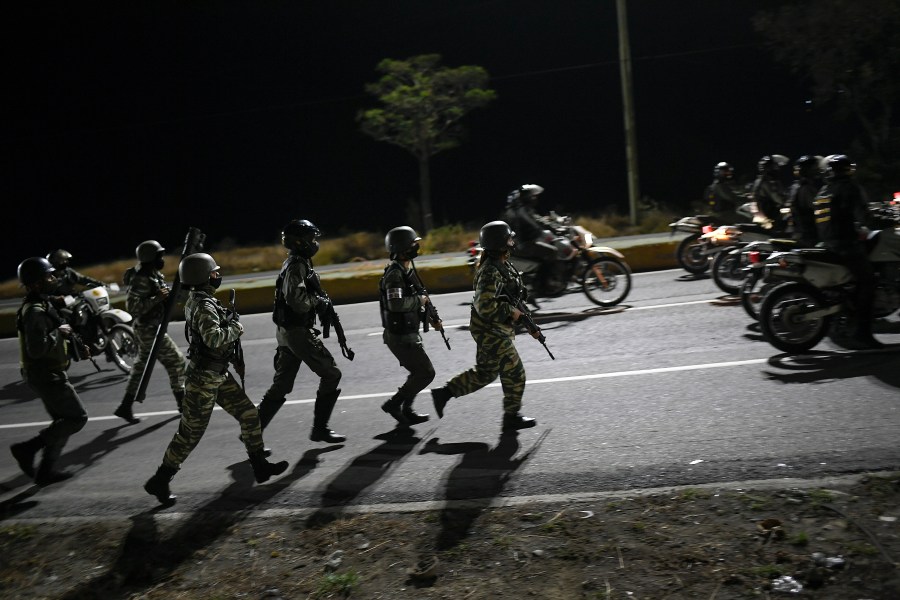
(496, 284)
(144, 301)
(210, 335)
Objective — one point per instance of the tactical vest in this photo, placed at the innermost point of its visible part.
(201, 355)
(58, 360)
(398, 323)
(282, 314)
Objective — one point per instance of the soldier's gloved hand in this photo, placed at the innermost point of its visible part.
(323, 306)
(230, 315)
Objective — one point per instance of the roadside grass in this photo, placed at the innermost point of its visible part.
(351, 247)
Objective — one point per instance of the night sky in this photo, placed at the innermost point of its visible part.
(124, 123)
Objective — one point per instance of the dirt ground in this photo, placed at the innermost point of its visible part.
(842, 543)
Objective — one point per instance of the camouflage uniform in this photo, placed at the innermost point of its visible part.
(492, 328)
(68, 278)
(208, 381)
(298, 343)
(147, 306)
(44, 360)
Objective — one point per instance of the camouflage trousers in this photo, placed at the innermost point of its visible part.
(169, 355)
(496, 355)
(203, 390)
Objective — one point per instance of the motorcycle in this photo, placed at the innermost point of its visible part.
(693, 253)
(103, 329)
(599, 271)
(817, 289)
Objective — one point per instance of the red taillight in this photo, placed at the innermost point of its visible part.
(473, 243)
(708, 229)
(754, 257)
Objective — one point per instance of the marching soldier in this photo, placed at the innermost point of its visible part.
(44, 360)
(296, 306)
(492, 325)
(146, 301)
(401, 312)
(212, 332)
(67, 277)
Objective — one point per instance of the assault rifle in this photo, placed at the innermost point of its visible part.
(78, 346)
(328, 317)
(430, 314)
(519, 302)
(237, 359)
(193, 243)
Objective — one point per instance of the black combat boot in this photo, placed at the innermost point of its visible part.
(394, 407)
(263, 469)
(124, 411)
(412, 416)
(47, 475)
(158, 485)
(515, 421)
(321, 414)
(24, 453)
(440, 396)
(179, 400)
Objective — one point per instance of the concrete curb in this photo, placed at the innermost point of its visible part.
(359, 282)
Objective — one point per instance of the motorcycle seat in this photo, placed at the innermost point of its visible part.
(820, 255)
(752, 228)
(782, 245)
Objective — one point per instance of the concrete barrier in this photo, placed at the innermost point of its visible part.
(359, 282)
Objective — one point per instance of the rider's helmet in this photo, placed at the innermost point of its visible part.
(196, 269)
(723, 171)
(496, 236)
(529, 193)
(60, 258)
(301, 236)
(808, 166)
(402, 240)
(148, 251)
(839, 166)
(32, 270)
(771, 164)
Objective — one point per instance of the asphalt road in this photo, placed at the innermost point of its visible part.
(675, 388)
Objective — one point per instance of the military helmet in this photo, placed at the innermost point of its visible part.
(148, 251)
(301, 235)
(770, 164)
(59, 258)
(808, 166)
(496, 235)
(399, 240)
(32, 270)
(195, 269)
(723, 170)
(839, 166)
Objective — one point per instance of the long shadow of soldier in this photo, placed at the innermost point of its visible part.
(825, 366)
(475, 481)
(363, 472)
(16, 392)
(84, 455)
(97, 381)
(148, 555)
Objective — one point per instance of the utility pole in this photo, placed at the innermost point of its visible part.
(628, 104)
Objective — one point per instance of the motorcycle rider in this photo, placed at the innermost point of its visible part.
(722, 197)
(43, 350)
(146, 301)
(295, 311)
(802, 196)
(212, 332)
(529, 225)
(68, 278)
(840, 210)
(769, 192)
(401, 308)
(492, 325)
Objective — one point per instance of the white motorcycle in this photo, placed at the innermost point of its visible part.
(105, 330)
(794, 316)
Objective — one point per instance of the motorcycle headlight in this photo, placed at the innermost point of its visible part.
(588, 239)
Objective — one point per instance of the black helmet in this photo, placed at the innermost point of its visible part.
(496, 236)
(723, 170)
(32, 270)
(839, 166)
(402, 240)
(148, 251)
(301, 236)
(195, 269)
(770, 164)
(60, 258)
(525, 194)
(808, 166)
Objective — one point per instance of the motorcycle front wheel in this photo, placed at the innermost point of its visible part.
(689, 255)
(781, 317)
(123, 347)
(606, 281)
(727, 272)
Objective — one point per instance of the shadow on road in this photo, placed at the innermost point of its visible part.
(97, 381)
(149, 556)
(828, 366)
(16, 392)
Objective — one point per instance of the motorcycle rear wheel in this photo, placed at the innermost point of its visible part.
(606, 281)
(727, 272)
(123, 347)
(689, 257)
(779, 316)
